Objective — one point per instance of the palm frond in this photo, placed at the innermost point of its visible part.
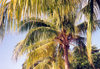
(32, 23)
(43, 64)
(38, 44)
(35, 34)
(26, 8)
(89, 50)
(69, 25)
(21, 48)
(3, 13)
(33, 40)
(82, 28)
(40, 53)
(17, 50)
(80, 44)
(60, 64)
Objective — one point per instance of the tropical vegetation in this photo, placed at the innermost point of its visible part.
(80, 58)
(52, 29)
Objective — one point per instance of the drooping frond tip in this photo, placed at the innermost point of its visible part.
(89, 47)
(17, 50)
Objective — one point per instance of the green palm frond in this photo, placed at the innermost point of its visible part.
(83, 26)
(35, 34)
(26, 8)
(40, 53)
(60, 64)
(80, 44)
(38, 44)
(89, 50)
(33, 22)
(43, 65)
(69, 25)
(3, 13)
(17, 50)
(37, 54)
(21, 48)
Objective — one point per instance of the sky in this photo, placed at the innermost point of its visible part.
(96, 38)
(6, 51)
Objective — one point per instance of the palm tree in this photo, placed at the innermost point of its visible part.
(64, 9)
(61, 23)
(51, 37)
(90, 12)
(43, 39)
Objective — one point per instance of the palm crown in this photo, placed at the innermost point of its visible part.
(46, 35)
(42, 41)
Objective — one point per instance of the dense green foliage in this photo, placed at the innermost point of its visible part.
(81, 60)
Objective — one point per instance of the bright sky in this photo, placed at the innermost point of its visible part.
(6, 51)
(96, 38)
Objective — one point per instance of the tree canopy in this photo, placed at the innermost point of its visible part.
(58, 29)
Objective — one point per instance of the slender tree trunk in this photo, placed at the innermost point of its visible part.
(66, 47)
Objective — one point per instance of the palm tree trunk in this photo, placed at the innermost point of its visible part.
(66, 47)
